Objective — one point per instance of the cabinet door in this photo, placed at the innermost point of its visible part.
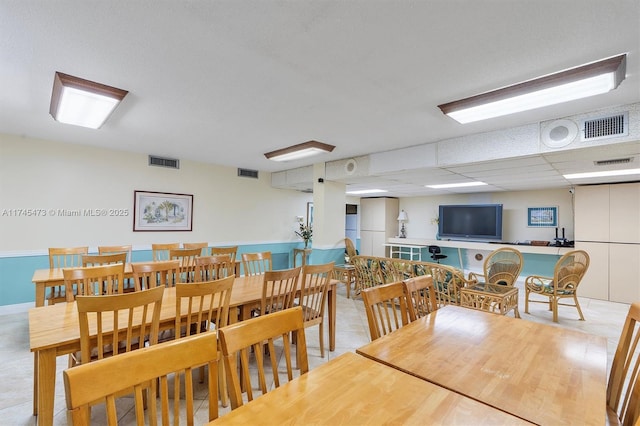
(595, 283)
(624, 213)
(624, 273)
(592, 213)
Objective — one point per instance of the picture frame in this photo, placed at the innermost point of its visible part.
(542, 217)
(162, 211)
(309, 214)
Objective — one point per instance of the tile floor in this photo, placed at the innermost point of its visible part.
(602, 318)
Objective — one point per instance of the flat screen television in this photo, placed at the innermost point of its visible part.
(470, 222)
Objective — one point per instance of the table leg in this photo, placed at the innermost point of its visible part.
(46, 385)
(332, 317)
(35, 384)
(39, 294)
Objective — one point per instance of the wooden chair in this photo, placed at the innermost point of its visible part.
(161, 251)
(103, 259)
(567, 275)
(421, 296)
(203, 307)
(204, 248)
(256, 263)
(141, 370)
(501, 267)
(94, 280)
(237, 339)
(210, 268)
(232, 251)
(116, 249)
(387, 308)
(279, 290)
(156, 274)
(315, 283)
(187, 258)
(63, 257)
(119, 323)
(623, 390)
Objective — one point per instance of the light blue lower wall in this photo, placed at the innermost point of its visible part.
(16, 272)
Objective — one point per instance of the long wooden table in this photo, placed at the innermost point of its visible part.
(54, 332)
(354, 390)
(46, 278)
(540, 373)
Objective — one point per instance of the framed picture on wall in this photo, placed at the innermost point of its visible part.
(162, 211)
(542, 217)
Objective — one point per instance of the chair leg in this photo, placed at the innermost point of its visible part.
(554, 303)
(575, 298)
(321, 330)
(222, 385)
(526, 300)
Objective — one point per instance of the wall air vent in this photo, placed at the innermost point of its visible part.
(605, 127)
(248, 173)
(170, 163)
(615, 161)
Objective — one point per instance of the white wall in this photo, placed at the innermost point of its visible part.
(43, 175)
(421, 210)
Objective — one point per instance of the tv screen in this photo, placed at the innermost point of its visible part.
(471, 222)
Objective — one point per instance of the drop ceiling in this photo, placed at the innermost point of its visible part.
(226, 81)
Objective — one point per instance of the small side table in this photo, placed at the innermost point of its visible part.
(494, 298)
(345, 273)
(305, 252)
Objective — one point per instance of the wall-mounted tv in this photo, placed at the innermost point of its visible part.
(470, 222)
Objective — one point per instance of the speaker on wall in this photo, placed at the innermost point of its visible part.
(559, 133)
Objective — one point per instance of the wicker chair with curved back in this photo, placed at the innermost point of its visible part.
(501, 267)
(567, 275)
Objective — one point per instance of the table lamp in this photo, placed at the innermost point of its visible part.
(402, 218)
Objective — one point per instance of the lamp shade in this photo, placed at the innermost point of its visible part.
(402, 217)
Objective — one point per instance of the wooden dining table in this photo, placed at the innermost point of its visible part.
(354, 390)
(54, 331)
(47, 278)
(541, 373)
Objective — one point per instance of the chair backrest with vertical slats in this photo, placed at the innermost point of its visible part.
(201, 306)
(315, 283)
(210, 268)
(94, 280)
(141, 370)
(118, 323)
(66, 257)
(237, 340)
(421, 296)
(256, 263)
(154, 274)
(104, 259)
(232, 251)
(187, 258)
(623, 391)
(204, 248)
(386, 307)
(116, 249)
(161, 251)
(278, 290)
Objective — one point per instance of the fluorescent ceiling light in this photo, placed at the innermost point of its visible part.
(603, 174)
(456, 185)
(82, 102)
(575, 83)
(366, 191)
(301, 150)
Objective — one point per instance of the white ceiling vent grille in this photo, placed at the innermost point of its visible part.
(606, 127)
(170, 163)
(615, 161)
(248, 173)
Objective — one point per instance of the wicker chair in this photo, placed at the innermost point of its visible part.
(501, 267)
(567, 275)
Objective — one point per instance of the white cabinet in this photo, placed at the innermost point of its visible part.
(378, 221)
(607, 226)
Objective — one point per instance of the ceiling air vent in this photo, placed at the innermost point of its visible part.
(248, 173)
(606, 127)
(610, 162)
(171, 163)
